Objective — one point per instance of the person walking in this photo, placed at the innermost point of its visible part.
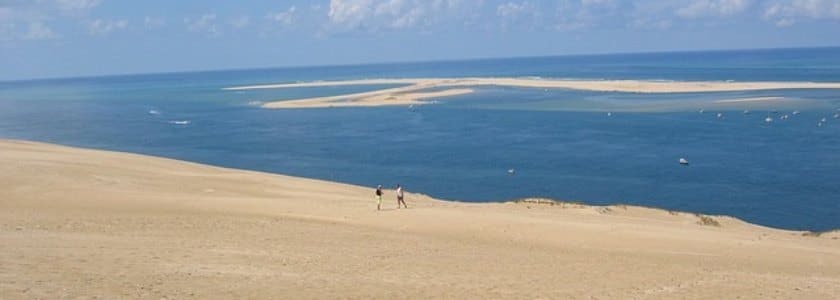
(379, 197)
(400, 197)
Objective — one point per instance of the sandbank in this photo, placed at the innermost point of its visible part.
(393, 96)
(751, 100)
(80, 223)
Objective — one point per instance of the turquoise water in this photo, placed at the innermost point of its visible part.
(561, 143)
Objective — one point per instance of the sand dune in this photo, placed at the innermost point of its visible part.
(77, 223)
(397, 96)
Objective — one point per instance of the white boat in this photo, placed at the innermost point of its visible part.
(720, 115)
(701, 111)
(609, 114)
(795, 112)
(768, 119)
(683, 161)
(511, 171)
(746, 112)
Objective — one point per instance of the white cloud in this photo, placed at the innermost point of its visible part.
(240, 22)
(650, 23)
(596, 2)
(373, 15)
(39, 31)
(349, 13)
(577, 14)
(785, 22)
(787, 13)
(409, 18)
(205, 24)
(515, 10)
(153, 23)
(76, 6)
(284, 18)
(512, 13)
(104, 27)
(712, 8)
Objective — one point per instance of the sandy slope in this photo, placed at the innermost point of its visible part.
(456, 86)
(84, 223)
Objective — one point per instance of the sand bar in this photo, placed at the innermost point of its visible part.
(393, 96)
(77, 223)
(751, 100)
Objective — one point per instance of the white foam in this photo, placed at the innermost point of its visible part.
(153, 112)
(180, 122)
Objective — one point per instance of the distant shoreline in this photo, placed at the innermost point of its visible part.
(413, 95)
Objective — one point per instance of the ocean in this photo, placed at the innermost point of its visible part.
(561, 143)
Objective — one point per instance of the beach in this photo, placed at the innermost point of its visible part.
(458, 86)
(79, 223)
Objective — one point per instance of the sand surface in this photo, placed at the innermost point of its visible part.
(753, 99)
(78, 223)
(457, 86)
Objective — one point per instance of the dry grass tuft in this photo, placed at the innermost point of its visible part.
(707, 220)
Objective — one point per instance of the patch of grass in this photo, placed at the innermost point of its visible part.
(820, 233)
(549, 202)
(707, 220)
(538, 201)
(604, 209)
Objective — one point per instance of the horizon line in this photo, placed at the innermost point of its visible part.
(394, 62)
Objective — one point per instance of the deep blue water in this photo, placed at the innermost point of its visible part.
(561, 143)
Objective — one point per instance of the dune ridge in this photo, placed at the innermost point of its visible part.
(89, 223)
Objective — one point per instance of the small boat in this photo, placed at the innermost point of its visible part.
(837, 116)
(511, 171)
(720, 115)
(768, 120)
(154, 112)
(609, 114)
(683, 161)
(746, 112)
(823, 120)
(785, 117)
(819, 124)
(701, 111)
(795, 112)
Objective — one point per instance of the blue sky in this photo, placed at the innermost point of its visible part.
(59, 38)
